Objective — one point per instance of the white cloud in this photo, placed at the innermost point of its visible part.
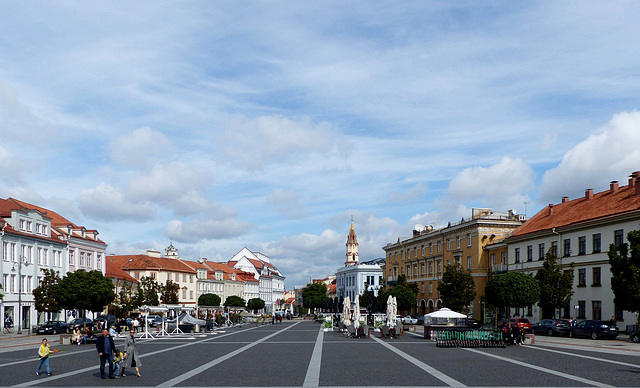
(287, 203)
(252, 144)
(193, 231)
(140, 147)
(610, 154)
(500, 185)
(108, 203)
(412, 195)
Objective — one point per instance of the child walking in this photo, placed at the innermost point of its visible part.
(117, 360)
(44, 352)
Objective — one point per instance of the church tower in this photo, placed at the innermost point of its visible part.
(171, 252)
(352, 247)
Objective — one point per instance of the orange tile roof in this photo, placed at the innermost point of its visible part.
(601, 205)
(130, 262)
(112, 271)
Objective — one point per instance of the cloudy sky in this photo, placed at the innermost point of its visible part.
(220, 125)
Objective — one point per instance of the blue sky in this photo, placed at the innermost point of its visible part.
(220, 125)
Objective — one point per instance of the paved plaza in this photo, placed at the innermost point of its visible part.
(299, 354)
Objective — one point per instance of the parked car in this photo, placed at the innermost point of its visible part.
(420, 320)
(551, 327)
(522, 323)
(52, 327)
(473, 323)
(157, 321)
(594, 329)
(409, 320)
(635, 336)
(80, 323)
(106, 320)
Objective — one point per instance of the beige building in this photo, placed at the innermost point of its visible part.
(423, 258)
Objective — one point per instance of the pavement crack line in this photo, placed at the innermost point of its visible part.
(312, 378)
(429, 369)
(88, 369)
(202, 368)
(542, 369)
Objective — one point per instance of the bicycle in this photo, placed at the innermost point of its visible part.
(7, 329)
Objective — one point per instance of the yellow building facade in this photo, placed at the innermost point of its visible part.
(422, 259)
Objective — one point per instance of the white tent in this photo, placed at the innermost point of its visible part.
(445, 313)
(445, 316)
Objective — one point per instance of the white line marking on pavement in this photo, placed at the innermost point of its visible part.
(542, 369)
(429, 369)
(202, 368)
(312, 378)
(587, 357)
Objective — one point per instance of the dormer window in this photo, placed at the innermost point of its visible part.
(26, 225)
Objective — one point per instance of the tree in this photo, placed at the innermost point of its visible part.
(314, 296)
(1, 294)
(84, 290)
(43, 295)
(625, 273)
(368, 299)
(512, 289)
(209, 300)
(457, 288)
(254, 304)
(556, 285)
(126, 300)
(405, 297)
(169, 292)
(147, 292)
(234, 301)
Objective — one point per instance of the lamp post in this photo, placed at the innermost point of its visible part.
(13, 269)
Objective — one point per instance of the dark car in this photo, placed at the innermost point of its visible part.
(594, 329)
(551, 327)
(52, 327)
(474, 324)
(80, 323)
(106, 320)
(635, 336)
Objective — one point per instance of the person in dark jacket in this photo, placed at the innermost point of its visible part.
(106, 348)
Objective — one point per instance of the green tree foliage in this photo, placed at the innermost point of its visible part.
(126, 300)
(147, 292)
(367, 299)
(457, 288)
(625, 271)
(402, 281)
(512, 289)
(234, 301)
(314, 296)
(1, 294)
(405, 297)
(43, 295)
(84, 290)
(169, 292)
(255, 304)
(556, 285)
(209, 300)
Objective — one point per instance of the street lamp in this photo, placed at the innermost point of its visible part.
(13, 269)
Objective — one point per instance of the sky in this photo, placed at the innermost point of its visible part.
(218, 125)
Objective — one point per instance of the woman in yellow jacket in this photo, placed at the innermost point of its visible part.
(44, 352)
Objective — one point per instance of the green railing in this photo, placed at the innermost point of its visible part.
(468, 338)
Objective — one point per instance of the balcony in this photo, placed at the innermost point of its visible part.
(499, 268)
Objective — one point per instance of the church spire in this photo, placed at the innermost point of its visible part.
(352, 247)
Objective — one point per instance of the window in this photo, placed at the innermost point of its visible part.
(423, 288)
(517, 255)
(430, 268)
(136, 275)
(153, 275)
(431, 288)
(541, 251)
(439, 266)
(422, 249)
(184, 293)
(439, 246)
(458, 242)
(504, 258)
(529, 252)
(25, 225)
(468, 262)
(596, 309)
(618, 313)
(567, 247)
(493, 259)
(469, 239)
(27, 253)
(596, 277)
(597, 243)
(582, 277)
(184, 279)
(582, 245)
(99, 261)
(45, 257)
(169, 276)
(190, 278)
(582, 307)
(554, 248)
(423, 268)
(448, 245)
(88, 259)
(618, 237)
(431, 248)
(82, 259)
(71, 258)
(190, 294)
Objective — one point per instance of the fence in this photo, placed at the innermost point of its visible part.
(468, 338)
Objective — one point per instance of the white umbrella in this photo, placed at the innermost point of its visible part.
(346, 312)
(356, 314)
(445, 313)
(390, 314)
(395, 310)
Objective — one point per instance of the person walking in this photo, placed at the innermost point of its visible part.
(131, 356)
(105, 347)
(43, 353)
(117, 361)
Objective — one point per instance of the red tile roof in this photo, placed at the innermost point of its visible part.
(131, 262)
(112, 271)
(601, 205)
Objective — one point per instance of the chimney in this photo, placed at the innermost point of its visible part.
(637, 187)
(613, 187)
(550, 209)
(588, 194)
(565, 199)
(632, 179)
